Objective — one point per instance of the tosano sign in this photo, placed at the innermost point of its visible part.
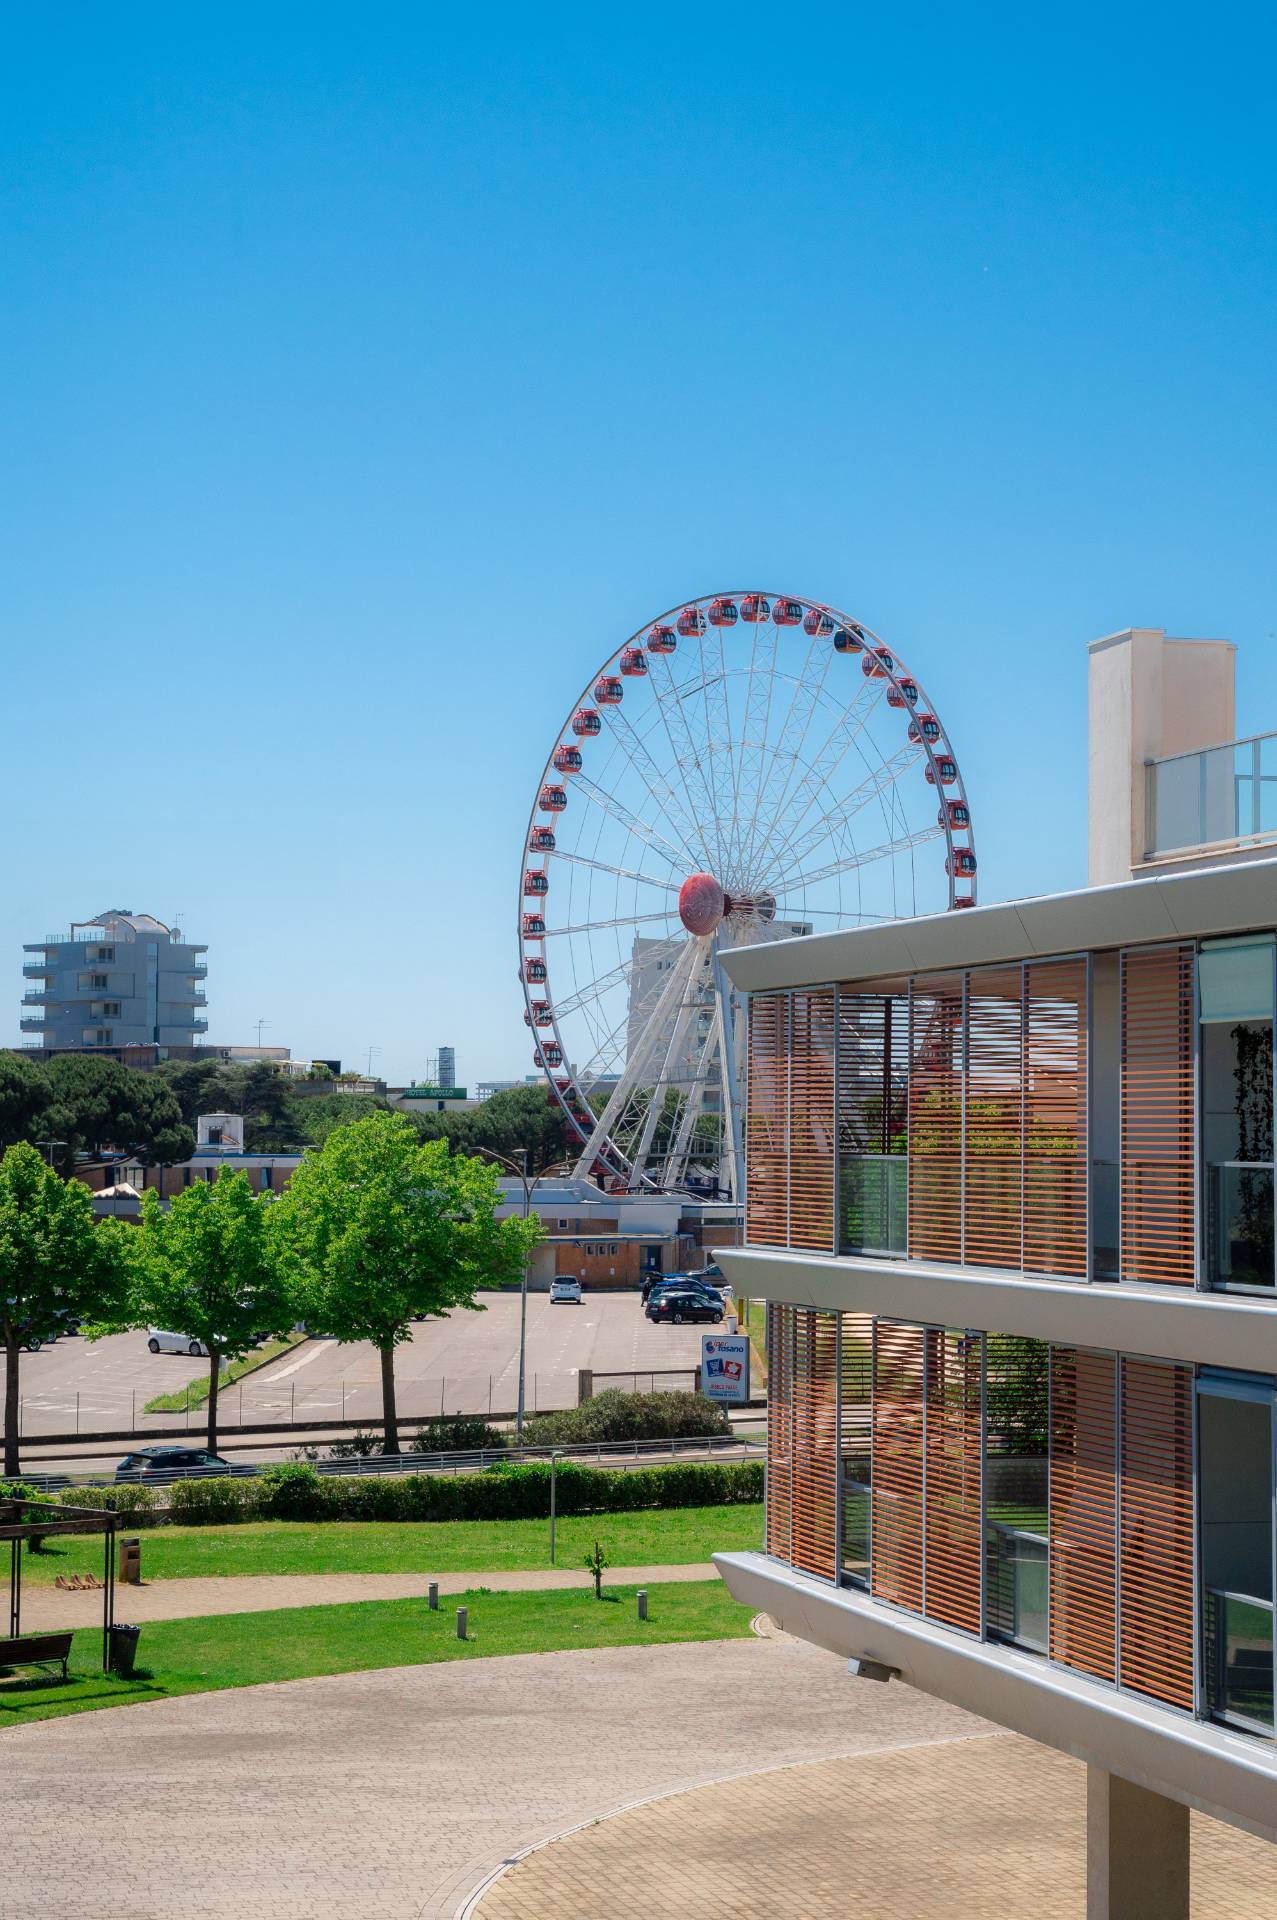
(725, 1366)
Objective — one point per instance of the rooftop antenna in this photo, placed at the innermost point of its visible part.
(260, 1024)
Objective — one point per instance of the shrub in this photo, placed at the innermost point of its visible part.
(629, 1416)
(293, 1491)
(140, 1505)
(208, 1503)
(461, 1434)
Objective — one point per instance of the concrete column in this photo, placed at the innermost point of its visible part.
(1136, 1851)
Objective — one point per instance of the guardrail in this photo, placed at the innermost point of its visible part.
(622, 1454)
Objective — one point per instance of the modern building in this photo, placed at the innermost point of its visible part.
(610, 1241)
(118, 1184)
(120, 980)
(446, 1070)
(1010, 1180)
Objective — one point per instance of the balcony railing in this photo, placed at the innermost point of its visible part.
(1239, 1224)
(1017, 1585)
(33, 1023)
(1238, 1658)
(36, 969)
(1221, 794)
(873, 1204)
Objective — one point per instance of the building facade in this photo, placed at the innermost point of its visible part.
(1010, 1201)
(122, 980)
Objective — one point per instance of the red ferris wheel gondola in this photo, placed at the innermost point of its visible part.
(567, 759)
(945, 770)
(954, 813)
(878, 664)
(535, 883)
(550, 1054)
(533, 927)
(925, 727)
(722, 613)
(586, 723)
(817, 623)
(904, 694)
(961, 862)
(553, 799)
(849, 640)
(662, 640)
(634, 661)
(755, 607)
(533, 973)
(787, 613)
(608, 691)
(541, 840)
(690, 622)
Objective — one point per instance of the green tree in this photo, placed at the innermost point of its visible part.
(381, 1229)
(24, 1099)
(97, 1104)
(205, 1266)
(198, 1086)
(53, 1262)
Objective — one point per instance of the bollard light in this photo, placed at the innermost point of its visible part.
(463, 1621)
(432, 1596)
(641, 1597)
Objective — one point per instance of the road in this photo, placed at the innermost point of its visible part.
(464, 1363)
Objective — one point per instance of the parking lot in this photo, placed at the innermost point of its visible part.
(466, 1362)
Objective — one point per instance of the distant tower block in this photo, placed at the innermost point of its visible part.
(447, 1069)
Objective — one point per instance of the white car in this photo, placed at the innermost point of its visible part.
(568, 1290)
(160, 1342)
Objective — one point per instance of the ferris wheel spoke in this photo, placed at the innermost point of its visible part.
(640, 1055)
(615, 976)
(662, 793)
(786, 754)
(618, 811)
(621, 873)
(753, 750)
(806, 792)
(853, 860)
(671, 700)
(790, 854)
(601, 926)
(675, 1169)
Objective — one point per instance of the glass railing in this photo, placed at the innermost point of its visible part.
(873, 1203)
(1106, 1230)
(1239, 1224)
(1220, 794)
(1237, 1633)
(1016, 1574)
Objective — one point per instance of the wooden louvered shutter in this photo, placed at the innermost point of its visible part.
(935, 1118)
(767, 1122)
(1056, 1146)
(953, 1480)
(855, 1419)
(780, 1424)
(873, 1065)
(811, 1120)
(1083, 1510)
(1155, 1636)
(992, 1198)
(896, 1495)
(1157, 1116)
(815, 1446)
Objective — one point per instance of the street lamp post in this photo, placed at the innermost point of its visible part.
(521, 1174)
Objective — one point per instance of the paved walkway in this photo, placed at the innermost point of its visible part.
(393, 1795)
(967, 1830)
(44, 1607)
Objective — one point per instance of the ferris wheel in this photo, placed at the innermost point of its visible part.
(746, 767)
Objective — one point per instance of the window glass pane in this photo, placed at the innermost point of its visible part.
(1236, 980)
(1236, 1478)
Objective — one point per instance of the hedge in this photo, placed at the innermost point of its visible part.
(507, 1492)
(629, 1416)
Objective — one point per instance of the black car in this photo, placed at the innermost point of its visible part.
(685, 1303)
(696, 1282)
(149, 1462)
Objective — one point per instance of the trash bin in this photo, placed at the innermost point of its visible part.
(131, 1562)
(124, 1641)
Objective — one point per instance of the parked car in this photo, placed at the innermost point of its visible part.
(686, 1283)
(161, 1342)
(566, 1291)
(147, 1462)
(685, 1303)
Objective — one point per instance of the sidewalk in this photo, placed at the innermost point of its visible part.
(47, 1607)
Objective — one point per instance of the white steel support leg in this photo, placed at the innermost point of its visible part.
(638, 1061)
(729, 1040)
(676, 1165)
(678, 1035)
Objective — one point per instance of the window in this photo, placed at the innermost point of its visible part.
(266, 1178)
(99, 982)
(186, 1176)
(105, 953)
(1235, 983)
(1235, 1464)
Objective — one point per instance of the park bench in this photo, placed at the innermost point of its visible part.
(36, 1650)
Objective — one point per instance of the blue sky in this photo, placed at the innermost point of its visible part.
(367, 377)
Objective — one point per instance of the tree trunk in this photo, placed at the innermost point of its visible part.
(390, 1419)
(214, 1366)
(11, 1360)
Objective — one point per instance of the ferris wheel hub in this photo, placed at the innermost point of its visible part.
(701, 903)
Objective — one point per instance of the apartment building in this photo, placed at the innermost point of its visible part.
(123, 980)
(1009, 1199)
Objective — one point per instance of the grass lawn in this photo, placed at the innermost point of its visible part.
(245, 1650)
(672, 1536)
(185, 1399)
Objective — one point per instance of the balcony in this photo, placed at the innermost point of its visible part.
(38, 969)
(1221, 796)
(33, 1023)
(36, 999)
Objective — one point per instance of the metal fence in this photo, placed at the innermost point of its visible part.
(622, 1454)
